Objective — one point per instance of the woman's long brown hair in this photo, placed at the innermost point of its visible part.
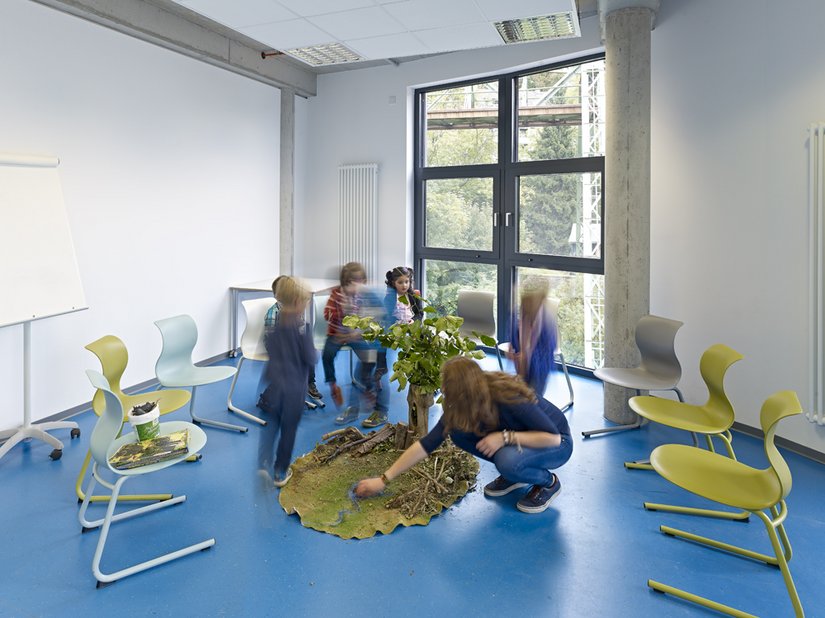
(471, 395)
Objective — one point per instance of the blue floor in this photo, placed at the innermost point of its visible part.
(589, 554)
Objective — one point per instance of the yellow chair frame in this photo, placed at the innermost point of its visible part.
(732, 483)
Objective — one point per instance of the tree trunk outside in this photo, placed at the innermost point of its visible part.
(419, 410)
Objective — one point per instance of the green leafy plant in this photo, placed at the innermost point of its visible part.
(423, 346)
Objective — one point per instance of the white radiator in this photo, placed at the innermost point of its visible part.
(816, 244)
(358, 216)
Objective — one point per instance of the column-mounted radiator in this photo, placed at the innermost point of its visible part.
(358, 216)
(816, 244)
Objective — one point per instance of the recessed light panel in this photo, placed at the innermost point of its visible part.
(318, 55)
(556, 26)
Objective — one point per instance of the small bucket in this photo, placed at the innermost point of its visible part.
(145, 421)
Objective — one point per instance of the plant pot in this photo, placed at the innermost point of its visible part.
(145, 424)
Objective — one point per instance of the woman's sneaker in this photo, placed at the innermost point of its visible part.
(539, 497)
(375, 419)
(501, 486)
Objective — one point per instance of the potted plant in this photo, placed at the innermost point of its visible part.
(422, 346)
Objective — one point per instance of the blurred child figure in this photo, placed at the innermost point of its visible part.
(270, 320)
(533, 335)
(291, 354)
(350, 298)
(402, 304)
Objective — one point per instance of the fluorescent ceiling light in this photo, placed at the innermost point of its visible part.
(556, 26)
(317, 55)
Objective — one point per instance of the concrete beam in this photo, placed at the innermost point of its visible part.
(160, 26)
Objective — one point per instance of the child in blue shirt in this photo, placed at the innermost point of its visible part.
(291, 354)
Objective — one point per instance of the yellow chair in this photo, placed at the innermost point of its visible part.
(713, 418)
(734, 484)
(111, 352)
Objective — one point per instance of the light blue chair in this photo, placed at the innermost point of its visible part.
(175, 369)
(104, 443)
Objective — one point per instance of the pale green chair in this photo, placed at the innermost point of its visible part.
(104, 443)
(726, 481)
(175, 369)
(713, 418)
(113, 357)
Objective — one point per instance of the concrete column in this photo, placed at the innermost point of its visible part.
(287, 194)
(627, 185)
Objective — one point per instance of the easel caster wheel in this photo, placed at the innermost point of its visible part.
(56, 454)
(75, 433)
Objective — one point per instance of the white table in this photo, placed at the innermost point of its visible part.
(262, 287)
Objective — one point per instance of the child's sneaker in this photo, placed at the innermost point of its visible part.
(282, 478)
(501, 486)
(539, 498)
(313, 391)
(347, 416)
(375, 419)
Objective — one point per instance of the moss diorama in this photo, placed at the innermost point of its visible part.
(321, 491)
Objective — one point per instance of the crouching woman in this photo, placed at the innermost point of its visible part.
(497, 417)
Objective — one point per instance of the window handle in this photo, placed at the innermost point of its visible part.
(507, 219)
(495, 219)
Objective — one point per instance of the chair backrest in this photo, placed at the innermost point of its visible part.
(319, 328)
(476, 307)
(179, 334)
(113, 357)
(655, 338)
(713, 366)
(776, 407)
(108, 425)
(252, 339)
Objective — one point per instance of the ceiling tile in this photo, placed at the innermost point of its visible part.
(358, 23)
(496, 10)
(310, 8)
(389, 46)
(288, 34)
(240, 13)
(424, 14)
(471, 36)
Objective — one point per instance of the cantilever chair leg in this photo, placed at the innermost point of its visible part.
(231, 407)
(105, 523)
(569, 403)
(205, 421)
(782, 553)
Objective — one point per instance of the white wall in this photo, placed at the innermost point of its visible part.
(170, 176)
(353, 121)
(735, 86)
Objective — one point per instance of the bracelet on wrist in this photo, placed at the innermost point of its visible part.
(384, 478)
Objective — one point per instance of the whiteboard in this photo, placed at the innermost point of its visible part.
(39, 277)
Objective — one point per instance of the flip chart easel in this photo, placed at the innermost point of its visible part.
(39, 275)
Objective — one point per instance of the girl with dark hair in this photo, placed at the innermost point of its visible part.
(497, 417)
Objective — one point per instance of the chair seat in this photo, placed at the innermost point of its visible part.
(197, 440)
(636, 378)
(697, 419)
(195, 376)
(716, 477)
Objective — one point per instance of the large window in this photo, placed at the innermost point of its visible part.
(509, 183)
